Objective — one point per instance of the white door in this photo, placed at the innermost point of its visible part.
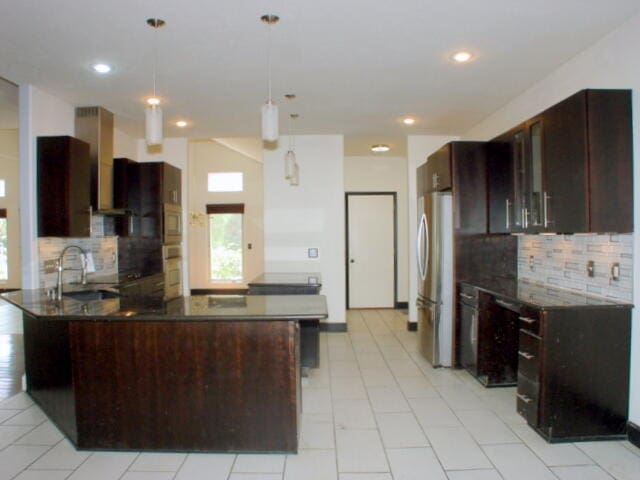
(371, 251)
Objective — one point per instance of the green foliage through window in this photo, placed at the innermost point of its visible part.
(225, 243)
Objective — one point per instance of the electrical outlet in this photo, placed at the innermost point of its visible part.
(591, 268)
(50, 266)
(531, 262)
(313, 253)
(615, 272)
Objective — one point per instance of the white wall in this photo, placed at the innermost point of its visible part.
(385, 174)
(124, 146)
(610, 63)
(9, 171)
(174, 151)
(40, 114)
(210, 156)
(310, 215)
(419, 147)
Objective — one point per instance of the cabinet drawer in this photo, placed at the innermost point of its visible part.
(527, 399)
(529, 355)
(529, 320)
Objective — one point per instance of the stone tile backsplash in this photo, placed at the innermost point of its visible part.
(103, 249)
(561, 260)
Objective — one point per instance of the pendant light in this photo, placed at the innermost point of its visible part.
(269, 109)
(290, 156)
(153, 112)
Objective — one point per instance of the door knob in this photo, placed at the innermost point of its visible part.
(352, 261)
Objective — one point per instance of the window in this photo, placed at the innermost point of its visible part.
(3, 192)
(4, 264)
(225, 182)
(225, 242)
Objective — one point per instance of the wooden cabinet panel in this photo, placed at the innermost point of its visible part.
(171, 184)
(64, 176)
(438, 172)
(469, 175)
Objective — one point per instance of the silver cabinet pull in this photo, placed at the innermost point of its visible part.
(525, 217)
(545, 209)
(467, 296)
(527, 320)
(508, 214)
(524, 398)
(504, 304)
(525, 355)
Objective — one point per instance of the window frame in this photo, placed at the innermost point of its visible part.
(221, 209)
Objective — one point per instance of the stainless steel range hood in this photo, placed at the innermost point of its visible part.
(94, 125)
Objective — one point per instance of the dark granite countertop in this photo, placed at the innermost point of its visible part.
(288, 279)
(200, 307)
(541, 296)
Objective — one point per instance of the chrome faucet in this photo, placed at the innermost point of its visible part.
(60, 268)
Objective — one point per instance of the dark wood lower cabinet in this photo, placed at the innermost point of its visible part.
(180, 385)
(573, 372)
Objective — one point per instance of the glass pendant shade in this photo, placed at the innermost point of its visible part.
(294, 180)
(289, 164)
(270, 122)
(153, 124)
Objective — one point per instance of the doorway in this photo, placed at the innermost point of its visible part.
(371, 247)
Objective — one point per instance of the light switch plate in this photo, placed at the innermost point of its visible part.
(531, 258)
(615, 272)
(591, 268)
(313, 252)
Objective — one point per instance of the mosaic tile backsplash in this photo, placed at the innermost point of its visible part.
(103, 249)
(561, 260)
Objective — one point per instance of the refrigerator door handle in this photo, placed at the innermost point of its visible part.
(422, 235)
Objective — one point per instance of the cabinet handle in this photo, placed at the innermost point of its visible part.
(90, 220)
(527, 320)
(436, 180)
(508, 214)
(130, 225)
(545, 209)
(524, 398)
(467, 296)
(504, 304)
(525, 355)
(474, 329)
(525, 217)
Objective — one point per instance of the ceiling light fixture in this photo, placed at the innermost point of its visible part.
(380, 148)
(269, 109)
(462, 56)
(181, 123)
(101, 68)
(409, 120)
(291, 169)
(153, 112)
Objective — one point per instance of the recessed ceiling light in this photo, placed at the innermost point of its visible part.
(380, 148)
(153, 101)
(462, 56)
(181, 123)
(101, 68)
(408, 120)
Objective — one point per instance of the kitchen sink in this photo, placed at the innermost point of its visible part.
(87, 296)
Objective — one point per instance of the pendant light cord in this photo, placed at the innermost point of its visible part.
(269, 59)
(290, 147)
(155, 55)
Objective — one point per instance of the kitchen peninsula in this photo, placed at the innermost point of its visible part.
(199, 373)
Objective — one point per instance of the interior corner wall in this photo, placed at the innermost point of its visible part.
(385, 174)
(309, 215)
(609, 63)
(211, 156)
(419, 147)
(174, 151)
(41, 114)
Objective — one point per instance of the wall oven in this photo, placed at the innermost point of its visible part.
(172, 225)
(172, 266)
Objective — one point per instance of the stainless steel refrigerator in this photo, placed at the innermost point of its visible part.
(434, 246)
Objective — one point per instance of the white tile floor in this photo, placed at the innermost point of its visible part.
(374, 410)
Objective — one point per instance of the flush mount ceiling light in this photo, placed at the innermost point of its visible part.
(408, 120)
(153, 112)
(181, 123)
(269, 109)
(380, 148)
(462, 56)
(101, 68)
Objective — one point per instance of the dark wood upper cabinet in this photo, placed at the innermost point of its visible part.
(64, 179)
(438, 172)
(567, 170)
(171, 184)
(469, 186)
(126, 195)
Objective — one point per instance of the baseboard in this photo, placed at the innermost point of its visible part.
(333, 327)
(219, 291)
(402, 305)
(412, 326)
(633, 431)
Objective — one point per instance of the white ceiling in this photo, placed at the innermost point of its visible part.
(357, 66)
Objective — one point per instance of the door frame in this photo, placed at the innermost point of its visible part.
(394, 195)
